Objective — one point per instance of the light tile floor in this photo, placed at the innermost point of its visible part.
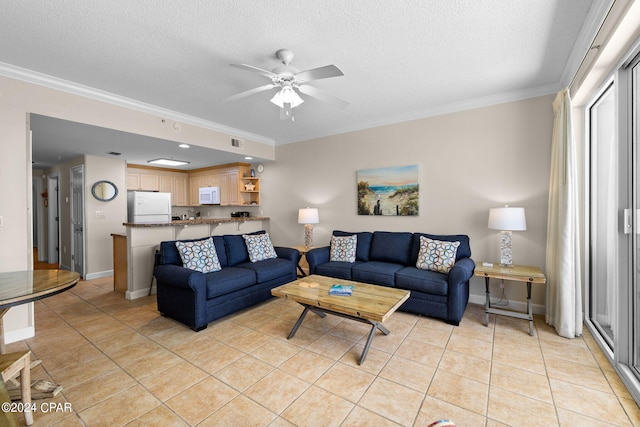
(121, 363)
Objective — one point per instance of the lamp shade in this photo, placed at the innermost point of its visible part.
(507, 219)
(308, 216)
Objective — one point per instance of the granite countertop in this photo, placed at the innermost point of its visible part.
(197, 221)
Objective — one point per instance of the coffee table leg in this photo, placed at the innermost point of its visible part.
(298, 323)
(365, 350)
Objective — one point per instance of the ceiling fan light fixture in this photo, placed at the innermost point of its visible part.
(277, 99)
(287, 96)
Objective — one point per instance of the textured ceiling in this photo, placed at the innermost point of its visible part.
(402, 60)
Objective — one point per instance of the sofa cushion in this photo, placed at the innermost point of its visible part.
(337, 269)
(393, 247)
(269, 269)
(464, 250)
(364, 243)
(259, 247)
(427, 281)
(436, 255)
(236, 248)
(376, 272)
(199, 255)
(343, 248)
(228, 280)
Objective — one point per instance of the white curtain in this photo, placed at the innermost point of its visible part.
(564, 288)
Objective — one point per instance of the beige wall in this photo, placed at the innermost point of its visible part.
(469, 162)
(99, 248)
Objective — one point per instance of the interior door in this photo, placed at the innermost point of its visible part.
(53, 219)
(77, 218)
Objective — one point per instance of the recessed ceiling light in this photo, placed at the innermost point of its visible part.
(168, 162)
(184, 145)
(248, 158)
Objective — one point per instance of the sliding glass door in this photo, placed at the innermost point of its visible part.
(613, 288)
(603, 214)
(633, 289)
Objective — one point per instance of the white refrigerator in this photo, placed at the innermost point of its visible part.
(147, 206)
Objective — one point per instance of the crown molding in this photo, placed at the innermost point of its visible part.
(440, 110)
(51, 82)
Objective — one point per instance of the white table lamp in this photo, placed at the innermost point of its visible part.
(507, 219)
(308, 217)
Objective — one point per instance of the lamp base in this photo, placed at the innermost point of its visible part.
(308, 236)
(506, 255)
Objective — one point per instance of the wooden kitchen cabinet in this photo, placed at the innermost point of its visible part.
(177, 186)
(249, 191)
(143, 181)
(184, 186)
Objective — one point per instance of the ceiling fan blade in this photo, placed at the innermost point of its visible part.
(249, 92)
(254, 70)
(322, 96)
(319, 73)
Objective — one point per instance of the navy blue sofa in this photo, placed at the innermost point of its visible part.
(389, 259)
(196, 298)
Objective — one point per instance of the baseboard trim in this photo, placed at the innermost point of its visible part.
(139, 293)
(19, 335)
(98, 275)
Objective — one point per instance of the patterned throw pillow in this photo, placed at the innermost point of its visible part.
(259, 247)
(436, 255)
(199, 255)
(343, 248)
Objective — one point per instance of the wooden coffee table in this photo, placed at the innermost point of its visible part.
(369, 304)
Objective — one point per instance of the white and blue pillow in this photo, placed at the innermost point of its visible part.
(259, 247)
(436, 255)
(343, 248)
(199, 255)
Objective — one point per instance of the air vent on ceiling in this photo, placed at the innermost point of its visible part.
(114, 153)
(237, 143)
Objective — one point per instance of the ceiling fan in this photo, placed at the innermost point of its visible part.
(289, 80)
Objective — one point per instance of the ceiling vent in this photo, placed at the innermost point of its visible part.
(237, 143)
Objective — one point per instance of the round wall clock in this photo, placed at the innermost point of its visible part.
(260, 168)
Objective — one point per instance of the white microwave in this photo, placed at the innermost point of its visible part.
(209, 195)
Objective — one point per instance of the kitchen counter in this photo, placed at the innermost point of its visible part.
(197, 221)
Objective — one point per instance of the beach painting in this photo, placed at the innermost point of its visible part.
(388, 191)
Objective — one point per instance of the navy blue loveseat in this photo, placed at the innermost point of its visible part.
(389, 259)
(196, 298)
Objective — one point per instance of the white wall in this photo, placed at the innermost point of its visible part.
(469, 162)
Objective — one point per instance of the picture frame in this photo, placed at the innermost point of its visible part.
(390, 191)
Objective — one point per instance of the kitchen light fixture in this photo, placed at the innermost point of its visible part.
(168, 162)
(308, 217)
(506, 220)
(183, 145)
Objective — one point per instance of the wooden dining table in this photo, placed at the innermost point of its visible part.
(21, 287)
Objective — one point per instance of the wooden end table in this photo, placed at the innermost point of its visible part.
(303, 252)
(517, 273)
